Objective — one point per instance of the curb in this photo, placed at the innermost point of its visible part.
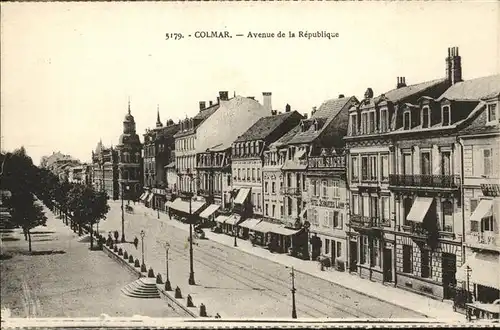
(172, 302)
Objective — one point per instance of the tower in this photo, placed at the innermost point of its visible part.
(158, 121)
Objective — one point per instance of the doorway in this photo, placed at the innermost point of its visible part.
(387, 265)
(353, 256)
(449, 267)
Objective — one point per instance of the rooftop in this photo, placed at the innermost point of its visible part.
(264, 126)
(474, 89)
(401, 93)
(287, 137)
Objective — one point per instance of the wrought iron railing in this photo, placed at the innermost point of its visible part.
(368, 222)
(422, 180)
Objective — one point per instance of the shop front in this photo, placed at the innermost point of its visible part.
(181, 209)
(208, 215)
(159, 199)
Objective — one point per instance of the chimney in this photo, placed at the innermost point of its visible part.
(223, 95)
(266, 101)
(274, 112)
(455, 65)
(401, 82)
(305, 115)
(218, 99)
(202, 105)
(210, 103)
(287, 108)
(313, 111)
(341, 96)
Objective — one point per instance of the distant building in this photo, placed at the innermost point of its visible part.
(129, 150)
(59, 164)
(80, 174)
(104, 170)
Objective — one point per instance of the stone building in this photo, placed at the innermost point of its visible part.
(129, 151)
(158, 152)
(104, 170)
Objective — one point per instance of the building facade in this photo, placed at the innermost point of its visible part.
(104, 170)
(129, 150)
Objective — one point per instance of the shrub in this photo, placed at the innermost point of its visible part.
(137, 263)
(151, 273)
(143, 269)
(159, 280)
(120, 252)
(115, 248)
(131, 259)
(110, 245)
(125, 255)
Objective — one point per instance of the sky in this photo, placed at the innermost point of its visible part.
(69, 69)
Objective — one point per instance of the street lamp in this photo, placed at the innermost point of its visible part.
(190, 220)
(168, 287)
(294, 310)
(123, 215)
(468, 271)
(142, 246)
(235, 231)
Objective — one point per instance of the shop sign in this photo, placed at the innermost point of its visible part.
(333, 204)
(159, 191)
(491, 190)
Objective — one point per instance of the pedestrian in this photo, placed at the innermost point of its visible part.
(136, 242)
(217, 316)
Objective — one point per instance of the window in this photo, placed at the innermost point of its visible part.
(373, 168)
(426, 117)
(447, 216)
(253, 174)
(326, 219)
(273, 187)
(385, 207)
(364, 123)
(487, 224)
(446, 163)
(258, 201)
(406, 120)
(364, 168)
(371, 122)
(425, 264)
(273, 214)
(258, 174)
(487, 162)
(407, 203)
(355, 204)
(492, 112)
(266, 186)
(339, 249)
(354, 124)
(248, 174)
(473, 205)
(383, 120)
(375, 253)
(446, 116)
(407, 164)
(374, 207)
(251, 148)
(267, 209)
(363, 249)
(324, 188)
(336, 223)
(315, 188)
(425, 163)
(239, 174)
(355, 168)
(407, 259)
(384, 167)
(335, 188)
(327, 246)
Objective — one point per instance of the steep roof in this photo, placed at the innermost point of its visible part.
(286, 138)
(474, 89)
(199, 119)
(324, 115)
(401, 93)
(264, 126)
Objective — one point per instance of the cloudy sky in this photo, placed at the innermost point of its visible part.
(68, 69)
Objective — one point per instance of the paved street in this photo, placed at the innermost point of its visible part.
(236, 284)
(64, 279)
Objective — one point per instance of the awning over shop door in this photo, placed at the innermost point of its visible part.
(233, 219)
(484, 270)
(209, 211)
(183, 206)
(150, 197)
(419, 209)
(250, 223)
(242, 195)
(144, 196)
(483, 210)
(221, 218)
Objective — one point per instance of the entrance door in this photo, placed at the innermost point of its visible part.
(449, 265)
(353, 256)
(387, 265)
(333, 252)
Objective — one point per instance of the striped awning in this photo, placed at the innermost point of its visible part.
(242, 195)
(183, 206)
(233, 219)
(150, 197)
(206, 213)
(221, 218)
(144, 196)
(250, 223)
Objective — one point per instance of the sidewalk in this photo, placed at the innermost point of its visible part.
(431, 308)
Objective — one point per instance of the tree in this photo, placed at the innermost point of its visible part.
(88, 207)
(26, 212)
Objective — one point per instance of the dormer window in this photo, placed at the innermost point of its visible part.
(406, 120)
(445, 115)
(371, 122)
(492, 112)
(257, 147)
(316, 125)
(384, 120)
(354, 124)
(426, 117)
(252, 147)
(302, 127)
(364, 123)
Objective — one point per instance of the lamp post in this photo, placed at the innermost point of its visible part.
(191, 280)
(142, 245)
(294, 309)
(468, 271)
(168, 287)
(235, 231)
(123, 214)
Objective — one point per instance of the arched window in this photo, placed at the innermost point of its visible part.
(407, 203)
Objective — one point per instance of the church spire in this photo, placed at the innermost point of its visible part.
(158, 121)
(129, 105)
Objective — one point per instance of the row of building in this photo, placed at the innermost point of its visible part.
(400, 188)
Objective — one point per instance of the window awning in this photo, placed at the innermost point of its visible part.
(483, 210)
(250, 223)
(242, 195)
(209, 211)
(483, 270)
(183, 206)
(150, 197)
(280, 230)
(419, 209)
(221, 218)
(233, 219)
(144, 196)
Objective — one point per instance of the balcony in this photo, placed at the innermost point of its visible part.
(291, 191)
(360, 222)
(431, 181)
(483, 240)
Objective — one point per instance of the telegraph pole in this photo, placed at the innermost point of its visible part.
(294, 309)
